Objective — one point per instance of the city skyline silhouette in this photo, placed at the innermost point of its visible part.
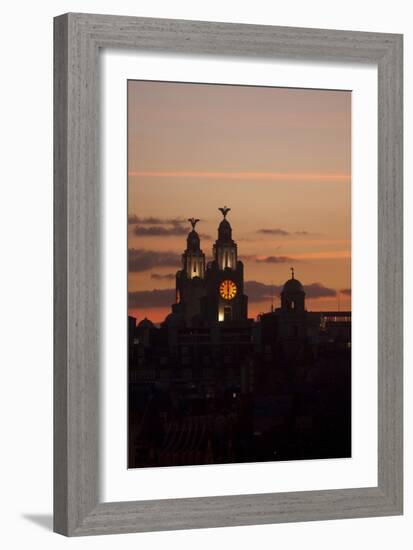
(281, 158)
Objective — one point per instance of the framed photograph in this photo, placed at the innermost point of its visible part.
(228, 274)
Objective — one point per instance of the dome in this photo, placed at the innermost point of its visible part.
(293, 285)
(145, 323)
(293, 296)
(173, 320)
(193, 240)
(224, 231)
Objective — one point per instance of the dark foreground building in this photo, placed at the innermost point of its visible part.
(211, 386)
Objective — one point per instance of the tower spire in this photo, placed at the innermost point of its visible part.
(292, 272)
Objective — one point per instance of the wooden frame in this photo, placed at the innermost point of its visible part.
(78, 39)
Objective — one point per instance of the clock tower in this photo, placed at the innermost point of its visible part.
(224, 299)
(190, 283)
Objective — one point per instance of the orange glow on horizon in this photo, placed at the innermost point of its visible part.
(158, 314)
(274, 176)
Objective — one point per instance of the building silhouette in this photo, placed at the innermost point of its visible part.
(210, 385)
(214, 292)
(190, 280)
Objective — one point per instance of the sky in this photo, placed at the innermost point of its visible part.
(280, 158)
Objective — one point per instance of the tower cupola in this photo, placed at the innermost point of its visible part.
(293, 295)
(193, 242)
(193, 259)
(225, 249)
(225, 231)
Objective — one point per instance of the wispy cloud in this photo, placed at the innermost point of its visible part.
(143, 260)
(298, 257)
(152, 220)
(327, 255)
(151, 298)
(163, 276)
(270, 176)
(318, 290)
(256, 291)
(261, 292)
(274, 259)
(281, 232)
(346, 291)
(160, 231)
(276, 231)
(160, 227)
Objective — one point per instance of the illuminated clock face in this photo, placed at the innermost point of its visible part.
(228, 289)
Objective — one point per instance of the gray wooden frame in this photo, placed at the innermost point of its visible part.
(78, 39)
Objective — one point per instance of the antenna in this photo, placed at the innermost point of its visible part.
(292, 272)
(272, 296)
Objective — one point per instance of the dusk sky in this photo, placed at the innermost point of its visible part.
(279, 158)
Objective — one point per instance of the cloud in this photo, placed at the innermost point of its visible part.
(162, 276)
(160, 227)
(281, 232)
(276, 231)
(324, 255)
(261, 292)
(151, 220)
(247, 257)
(346, 291)
(160, 231)
(318, 290)
(151, 298)
(274, 259)
(143, 260)
(255, 290)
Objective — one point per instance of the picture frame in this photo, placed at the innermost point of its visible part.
(78, 39)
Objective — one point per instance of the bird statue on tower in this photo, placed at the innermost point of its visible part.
(193, 222)
(224, 211)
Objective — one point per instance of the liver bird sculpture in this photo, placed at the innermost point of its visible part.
(224, 210)
(193, 222)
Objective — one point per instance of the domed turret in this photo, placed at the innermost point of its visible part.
(224, 231)
(193, 242)
(293, 285)
(189, 281)
(145, 324)
(225, 249)
(293, 295)
(144, 330)
(193, 259)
